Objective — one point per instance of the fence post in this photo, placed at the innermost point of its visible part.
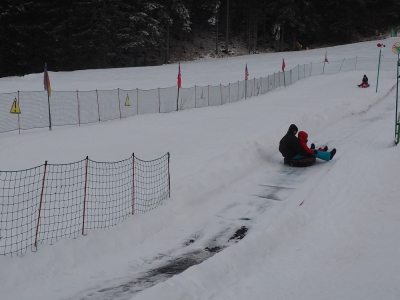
(298, 71)
(253, 92)
(220, 90)
(355, 67)
(279, 80)
(98, 107)
(229, 93)
(85, 193)
(238, 91)
(304, 67)
(19, 124)
(48, 103)
(311, 70)
(133, 183)
(274, 81)
(195, 97)
(169, 179)
(341, 65)
(159, 101)
(290, 82)
(137, 101)
(261, 80)
(40, 204)
(270, 83)
(119, 105)
(208, 97)
(79, 111)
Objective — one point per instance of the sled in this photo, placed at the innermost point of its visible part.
(300, 162)
(363, 85)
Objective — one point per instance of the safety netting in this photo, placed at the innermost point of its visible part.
(37, 110)
(55, 201)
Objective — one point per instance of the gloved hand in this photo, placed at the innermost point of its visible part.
(312, 147)
(315, 152)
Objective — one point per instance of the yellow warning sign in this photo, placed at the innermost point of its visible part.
(15, 107)
(127, 103)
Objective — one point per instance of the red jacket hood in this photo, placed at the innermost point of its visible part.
(303, 136)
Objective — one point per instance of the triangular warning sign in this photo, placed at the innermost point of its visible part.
(15, 107)
(127, 103)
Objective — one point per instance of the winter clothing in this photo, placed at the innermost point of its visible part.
(289, 145)
(364, 81)
(303, 142)
(333, 152)
(312, 147)
(293, 128)
(320, 153)
(324, 155)
(327, 156)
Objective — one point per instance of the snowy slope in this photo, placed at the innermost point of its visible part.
(341, 243)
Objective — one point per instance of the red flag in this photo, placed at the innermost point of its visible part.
(246, 73)
(46, 81)
(179, 77)
(283, 65)
(326, 57)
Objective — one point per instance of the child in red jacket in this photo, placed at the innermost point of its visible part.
(320, 153)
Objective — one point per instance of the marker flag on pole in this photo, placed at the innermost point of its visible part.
(326, 57)
(46, 81)
(246, 73)
(283, 65)
(179, 77)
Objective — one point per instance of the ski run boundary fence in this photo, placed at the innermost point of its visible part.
(83, 107)
(54, 201)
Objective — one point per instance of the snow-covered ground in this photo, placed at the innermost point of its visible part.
(343, 242)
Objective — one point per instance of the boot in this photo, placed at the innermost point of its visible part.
(333, 152)
(326, 148)
(312, 146)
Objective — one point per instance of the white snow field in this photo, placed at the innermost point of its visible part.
(227, 177)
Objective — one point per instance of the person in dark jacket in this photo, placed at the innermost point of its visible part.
(290, 147)
(364, 82)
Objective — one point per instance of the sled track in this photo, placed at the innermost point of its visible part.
(165, 270)
(277, 187)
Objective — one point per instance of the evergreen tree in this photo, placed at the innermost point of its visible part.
(11, 38)
(141, 31)
(81, 34)
(174, 16)
(27, 33)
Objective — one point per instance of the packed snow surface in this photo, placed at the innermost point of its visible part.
(342, 242)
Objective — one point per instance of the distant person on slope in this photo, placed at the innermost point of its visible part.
(321, 153)
(364, 82)
(298, 46)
